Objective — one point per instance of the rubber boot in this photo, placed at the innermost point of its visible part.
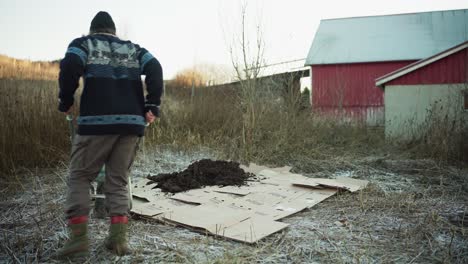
(77, 244)
(117, 240)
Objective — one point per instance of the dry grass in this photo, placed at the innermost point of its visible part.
(33, 132)
(11, 68)
(273, 128)
(416, 222)
(444, 138)
(277, 131)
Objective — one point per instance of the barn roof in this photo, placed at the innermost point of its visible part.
(419, 64)
(387, 38)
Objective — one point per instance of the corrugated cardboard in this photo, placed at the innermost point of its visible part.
(246, 213)
(208, 217)
(201, 196)
(343, 183)
(146, 208)
(142, 190)
(233, 190)
(253, 229)
(353, 184)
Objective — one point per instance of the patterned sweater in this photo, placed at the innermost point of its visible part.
(113, 100)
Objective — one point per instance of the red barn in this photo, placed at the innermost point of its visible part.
(348, 54)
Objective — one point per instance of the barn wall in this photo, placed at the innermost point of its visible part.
(349, 89)
(451, 69)
(410, 110)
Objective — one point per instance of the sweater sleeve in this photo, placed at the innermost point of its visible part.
(71, 69)
(151, 67)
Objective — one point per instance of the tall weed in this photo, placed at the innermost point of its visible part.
(32, 131)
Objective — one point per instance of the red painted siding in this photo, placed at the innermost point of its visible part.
(349, 89)
(451, 69)
(350, 85)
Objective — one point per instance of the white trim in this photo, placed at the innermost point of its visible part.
(412, 67)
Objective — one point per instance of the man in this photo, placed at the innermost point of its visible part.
(113, 115)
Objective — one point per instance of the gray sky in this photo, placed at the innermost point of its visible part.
(181, 33)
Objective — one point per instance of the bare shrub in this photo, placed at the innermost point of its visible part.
(208, 118)
(442, 136)
(442, 139)
(247, 60)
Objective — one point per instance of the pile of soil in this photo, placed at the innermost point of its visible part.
(202, 173)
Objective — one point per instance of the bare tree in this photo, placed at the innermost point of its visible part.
(247, 60)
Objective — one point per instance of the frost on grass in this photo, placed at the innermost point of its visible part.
(411, 212)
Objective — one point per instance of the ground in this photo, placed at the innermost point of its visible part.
(412, 212)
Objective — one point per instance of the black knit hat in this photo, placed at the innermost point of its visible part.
(102, 23)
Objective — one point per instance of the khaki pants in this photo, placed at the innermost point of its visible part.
(89, 154)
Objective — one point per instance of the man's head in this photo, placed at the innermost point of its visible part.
(102, 23)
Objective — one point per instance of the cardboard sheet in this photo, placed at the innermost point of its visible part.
(193, 197)
(144, 191)
(146, 208)
(233, 190)
(248, 213)
(252, 229)
(278, 177)
(253, 168)
(353, 184)
(201, 196)
(343, 183)
(208, 217)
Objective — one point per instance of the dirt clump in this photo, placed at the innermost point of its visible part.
(201, 173)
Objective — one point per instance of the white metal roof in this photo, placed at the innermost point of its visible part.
(419, 64)
(387, 38)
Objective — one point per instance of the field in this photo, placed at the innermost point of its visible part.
(414, 210)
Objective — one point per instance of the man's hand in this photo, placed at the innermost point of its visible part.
(150, 117)
(69, 111)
